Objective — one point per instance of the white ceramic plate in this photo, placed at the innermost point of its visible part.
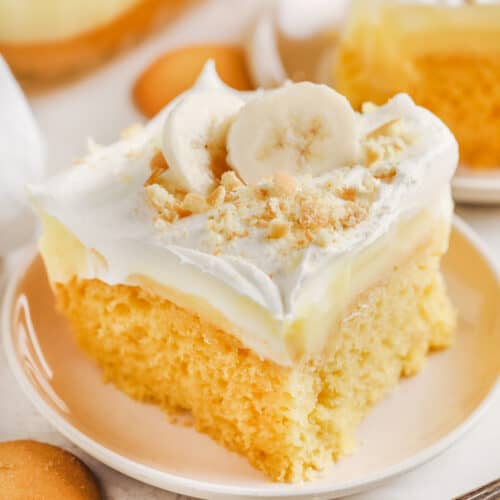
(477, 186)
(421, 418)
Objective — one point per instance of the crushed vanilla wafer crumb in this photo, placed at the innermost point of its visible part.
(217, 196)
(292, 212)
(195, 203)
(158, 166)
(278, 229)
(386, 129)
(297, 213)
(385, 143)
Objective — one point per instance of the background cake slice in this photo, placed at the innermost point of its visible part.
(277, 310)
(446, 56)
(47, 41)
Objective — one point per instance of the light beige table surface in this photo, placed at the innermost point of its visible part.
(66, 121)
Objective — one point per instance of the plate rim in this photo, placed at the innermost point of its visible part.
(480, 186)
(187, 486)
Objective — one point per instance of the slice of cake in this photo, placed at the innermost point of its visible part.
(267, 261)
(51, 39)
(446, 55)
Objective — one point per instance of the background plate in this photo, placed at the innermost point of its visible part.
(422, 417)
(476, 186)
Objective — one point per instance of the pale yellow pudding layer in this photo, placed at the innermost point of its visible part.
(447, 59)
(288, 421)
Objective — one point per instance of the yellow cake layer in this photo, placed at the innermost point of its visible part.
(447, 59)
(288, 422)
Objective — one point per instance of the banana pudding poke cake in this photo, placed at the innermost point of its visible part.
(268, 261)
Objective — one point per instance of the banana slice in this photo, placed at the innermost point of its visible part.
(194, 138)
(302, 128)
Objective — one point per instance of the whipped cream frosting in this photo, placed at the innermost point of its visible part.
(101, 201)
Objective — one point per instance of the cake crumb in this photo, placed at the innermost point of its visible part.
(217, 196)
(387, 129)
(194, 203)
(347, 193)
(384, 172)
(372, 155)
(284, 184)
(385, 142)
(158, 166)
(278, 230)
(164, 203)
(229, 180)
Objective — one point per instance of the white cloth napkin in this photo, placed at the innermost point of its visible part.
(22, 160)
